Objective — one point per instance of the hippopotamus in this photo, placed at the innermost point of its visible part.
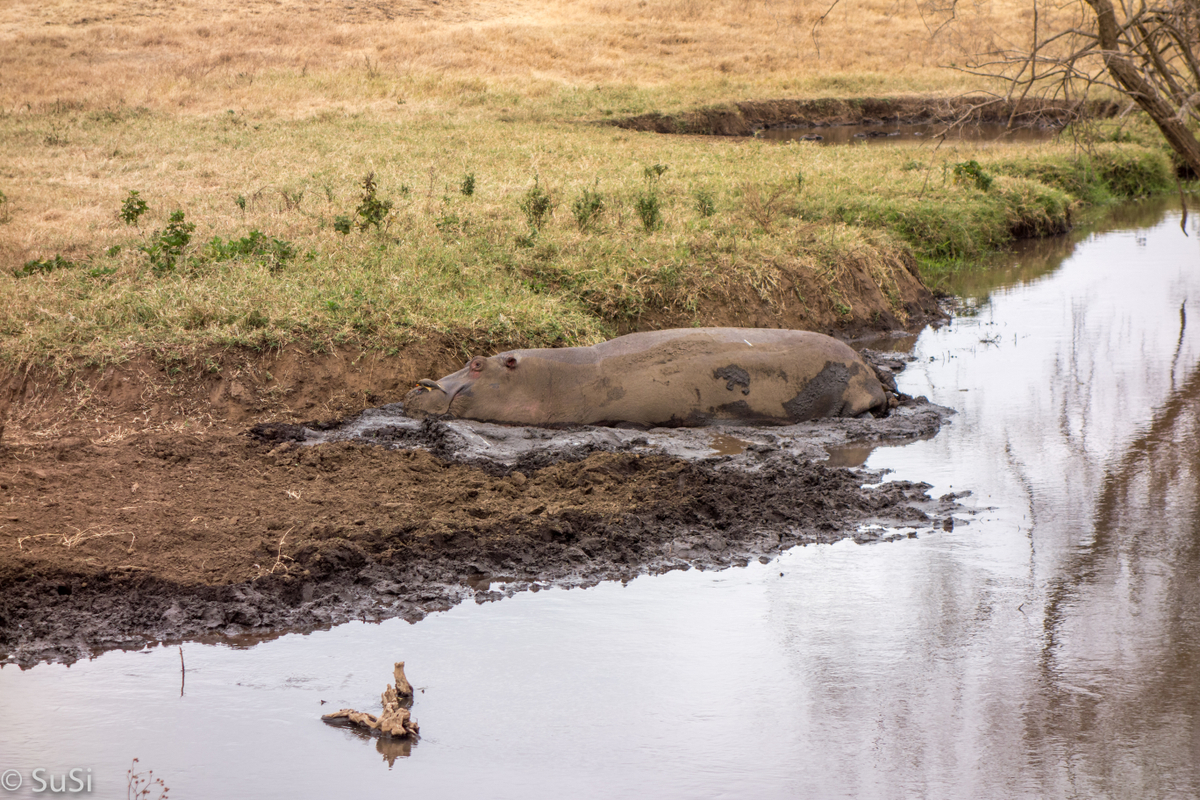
(671, 378)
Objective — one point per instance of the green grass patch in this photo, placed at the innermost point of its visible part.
(494, 229)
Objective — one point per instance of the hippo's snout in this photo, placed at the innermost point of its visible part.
(427, 399)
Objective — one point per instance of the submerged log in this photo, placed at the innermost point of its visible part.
(395, 722)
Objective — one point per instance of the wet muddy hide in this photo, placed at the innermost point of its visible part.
(685, 377)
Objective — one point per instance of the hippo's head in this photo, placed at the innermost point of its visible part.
(480, 390)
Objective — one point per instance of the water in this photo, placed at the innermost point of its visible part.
(1048, 648)
(893, 132)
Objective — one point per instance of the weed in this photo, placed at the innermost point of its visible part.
(536, 205)
(133, 208)
(587, 208)
(49, 265)
(291, 198)
(467, 187)
(274, 253)
(799, 180)
(342, 224)
(706, 204)
(371, 210)
(449, 222)
(257, 319)
(655, 171)
(3, 207)
(240, 202)
(761, 205)
(649, 209)
(139, 786)
(968, 172)
(166, 246)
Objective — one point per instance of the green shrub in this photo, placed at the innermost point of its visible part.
(166, 246)
(587, 208)
(536, 205)
(371, 210)
(969, 172)
(649, 209)
(133, 208)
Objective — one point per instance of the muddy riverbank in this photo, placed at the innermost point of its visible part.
(228, 529)
(745, 118)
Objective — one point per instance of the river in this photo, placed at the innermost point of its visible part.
(1047, 645)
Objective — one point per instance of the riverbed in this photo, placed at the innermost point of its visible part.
(1044, 645)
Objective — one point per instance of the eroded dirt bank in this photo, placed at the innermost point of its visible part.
(744, 118)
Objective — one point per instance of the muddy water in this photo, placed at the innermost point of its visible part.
(917, 132)
(1049, 647)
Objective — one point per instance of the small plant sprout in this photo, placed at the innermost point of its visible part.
(240, 202)
(799, 180)
(3, 207)
(536, 205)
(133, 208)
(467, 187)
(649, 209)
(655, 171)
(588, 207)
(371, 210)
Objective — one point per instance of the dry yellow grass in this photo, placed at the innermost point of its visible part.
(205, 56)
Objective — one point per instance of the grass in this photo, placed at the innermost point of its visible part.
(374, 175)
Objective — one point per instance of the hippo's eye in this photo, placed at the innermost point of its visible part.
(476, 364)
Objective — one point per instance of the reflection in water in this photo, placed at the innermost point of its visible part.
(1121, 665)
(1050, 648)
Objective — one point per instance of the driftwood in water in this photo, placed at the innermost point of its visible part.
(396, 721)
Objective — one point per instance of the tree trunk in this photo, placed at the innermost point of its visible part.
(1142, 91)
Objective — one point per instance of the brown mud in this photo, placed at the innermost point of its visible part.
(116, 531)
(745, 118)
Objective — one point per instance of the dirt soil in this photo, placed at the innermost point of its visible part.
(134, 510)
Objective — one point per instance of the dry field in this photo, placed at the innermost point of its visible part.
(265, 116)
(209, 56)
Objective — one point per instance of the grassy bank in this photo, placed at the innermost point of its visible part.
(502, 210)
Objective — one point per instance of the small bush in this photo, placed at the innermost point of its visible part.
(467, 187)
(649, 209)
(133, 208)
(371, 210)
(166, 246)
(342, 224)
(587, 208)
(536, 205)
(706, 204)
(969, 172)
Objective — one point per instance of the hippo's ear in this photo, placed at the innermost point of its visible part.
(511, 362)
